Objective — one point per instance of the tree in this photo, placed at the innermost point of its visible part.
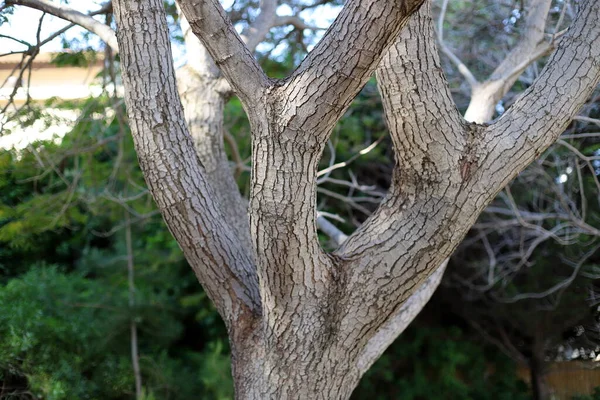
(303, 323)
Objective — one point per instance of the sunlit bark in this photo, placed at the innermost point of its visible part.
(303, 323)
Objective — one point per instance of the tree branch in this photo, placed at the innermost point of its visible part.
(67, 13)
(531, 42)
(258, 30)
(447, 172)
(289, 135)
(399, 321)
(171, 167)
(331, 230)
(212, 26)
(532, 46)
(462, 68)
(342, 62)
(544, 111)
(296, 22)
(203, 95)
(416, 227)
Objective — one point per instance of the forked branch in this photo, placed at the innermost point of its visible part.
(212, 26)
(544, 111)
(69, 14)
(341, 63)
(175, 177)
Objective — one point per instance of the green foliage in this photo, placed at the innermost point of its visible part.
(440, 363)
(43, 339)
(593, 396)
(74, 59)
(67, 334)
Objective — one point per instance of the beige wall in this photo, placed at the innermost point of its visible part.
(48, 80)
(569, 378)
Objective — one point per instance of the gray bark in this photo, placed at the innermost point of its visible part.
(303, 323)
(203, 94)
(172, 169)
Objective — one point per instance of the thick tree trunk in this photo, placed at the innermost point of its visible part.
(296, 371)
(302, 323)
(296, 367)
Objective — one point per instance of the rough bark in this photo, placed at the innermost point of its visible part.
(399, 321)
(299, 283)
(203, 94)
(310, 332)
(303, 323)
(171, 167)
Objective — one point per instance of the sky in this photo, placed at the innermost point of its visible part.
(23, 25)
(24, 22)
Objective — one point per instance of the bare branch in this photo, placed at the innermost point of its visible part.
(387, 261)
(296, 22)
(531, 47)
(67, 13)
(342, 164)
(171, 167)
(267, 18)
(504, 345)
(351, 202)
(538, 118)
(330, 230)
(531, 42)
(587, 119)
(258, 30)
(24, 66)
(561, 285)
(212, 26)
(462, 68)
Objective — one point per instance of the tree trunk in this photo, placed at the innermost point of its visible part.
(538, 368)
(303, 323)
(297, 371)
(539, 384)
